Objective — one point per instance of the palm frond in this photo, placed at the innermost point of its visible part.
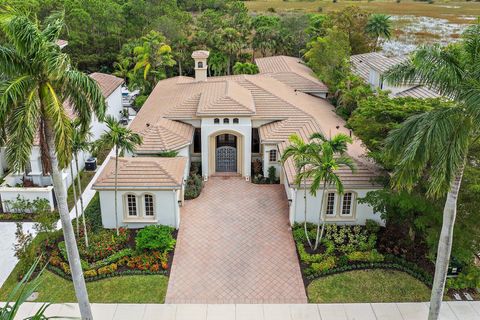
(20, 31)
(54, 25)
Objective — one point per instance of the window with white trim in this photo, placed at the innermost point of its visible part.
(347, 202)
(132, 210)
(330, 209)
(235, 120)
(226, 121)
(216, 121)
(149, 205)
(272, 156)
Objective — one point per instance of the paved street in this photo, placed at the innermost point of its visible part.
(364, 311)
(235, 246)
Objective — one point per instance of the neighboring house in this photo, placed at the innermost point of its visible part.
(41, 183)
(224, 124)
(371, 68)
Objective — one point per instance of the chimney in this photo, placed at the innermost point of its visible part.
(200, 57)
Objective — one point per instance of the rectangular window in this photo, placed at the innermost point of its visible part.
(149, 209)
(330, 210)
(131, 205)
(197, 141)
(347, 203)
(273, 156)
(255, 141)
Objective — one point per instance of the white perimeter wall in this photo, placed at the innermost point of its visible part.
(10, 194)
(167, 210)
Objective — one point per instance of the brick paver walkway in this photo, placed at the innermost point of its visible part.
(235, 246)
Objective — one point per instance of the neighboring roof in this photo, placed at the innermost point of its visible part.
(108, 83)
(419, 92)
(142, 172)
(362, 63)
(360, 66)
(291, 71)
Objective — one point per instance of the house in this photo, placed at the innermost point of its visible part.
(223, 124)
(41, 184)
(371, 68)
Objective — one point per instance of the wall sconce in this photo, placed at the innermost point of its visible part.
(289, 202)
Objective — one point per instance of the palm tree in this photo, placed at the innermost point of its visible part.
(379, 25)
(152, 57)
(79, 144)
(122, 139)
(38, 78)
(301, 153)
(437, 142)
(231, 43)
(330, 156)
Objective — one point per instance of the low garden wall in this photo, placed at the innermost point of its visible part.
(8, 194)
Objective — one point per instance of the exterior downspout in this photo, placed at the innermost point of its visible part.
(175, 209)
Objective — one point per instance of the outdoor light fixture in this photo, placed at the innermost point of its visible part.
(289, 202)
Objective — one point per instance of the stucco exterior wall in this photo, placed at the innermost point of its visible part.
(114, 109)
(167, 209)
(266, 160)
(11, 194)
(361, 212)
(243, 128)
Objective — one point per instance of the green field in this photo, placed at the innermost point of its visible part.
(453, 11)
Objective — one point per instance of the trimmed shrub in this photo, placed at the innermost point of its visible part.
(90, 273)
(367, 256)
(93, 214)
(193, 187)
(113, 258)
(327, 264)
(155, 238)
(107, 269)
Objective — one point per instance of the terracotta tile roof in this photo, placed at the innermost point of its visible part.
(363, 177)
(61, 43)
(291, 71)
(138, 172)
(108, 83)
(165, 135)
(225, 98)
(284, 110)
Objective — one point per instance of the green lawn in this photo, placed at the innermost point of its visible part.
(85, 178)
(368, 286)
(126, 289)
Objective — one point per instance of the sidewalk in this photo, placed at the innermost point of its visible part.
(461, 310)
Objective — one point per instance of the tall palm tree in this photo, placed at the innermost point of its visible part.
(379, 25)
(231, 43)
(123, 140)
(300, 152)
(330, 156)
(80, 143)
(38, 78)
(437, 142)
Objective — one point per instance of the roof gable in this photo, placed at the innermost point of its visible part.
(225, 98)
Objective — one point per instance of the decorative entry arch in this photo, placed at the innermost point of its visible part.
(224, 152)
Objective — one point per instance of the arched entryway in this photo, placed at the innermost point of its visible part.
(226, 152)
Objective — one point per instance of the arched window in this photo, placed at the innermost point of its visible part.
(149, 205)
(200, 64)
(347, 204)
(216, 121)
(235, 120)
(132, 210)
(226, 121)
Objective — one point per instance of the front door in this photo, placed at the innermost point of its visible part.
(226, 159)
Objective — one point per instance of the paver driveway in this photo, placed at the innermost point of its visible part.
(235, 246)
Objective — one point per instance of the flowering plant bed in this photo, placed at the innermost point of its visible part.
(347, 248)
(109, 254)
